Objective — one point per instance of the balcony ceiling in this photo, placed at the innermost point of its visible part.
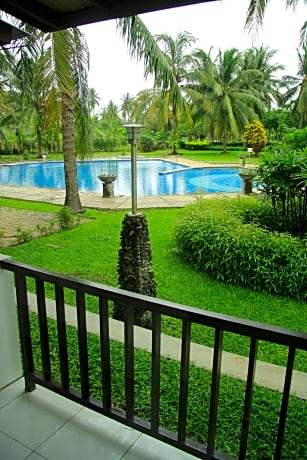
(52, 15)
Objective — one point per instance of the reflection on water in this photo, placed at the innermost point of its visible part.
(179, 180)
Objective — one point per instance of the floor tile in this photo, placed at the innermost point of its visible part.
(33, 417)
(147, 448)
(11, 392)
(89, 435)
(11, 449)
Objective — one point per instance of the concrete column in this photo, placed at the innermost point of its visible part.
(10, 357)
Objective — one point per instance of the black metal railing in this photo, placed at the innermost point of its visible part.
(188, 316)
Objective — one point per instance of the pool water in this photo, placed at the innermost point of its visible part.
(154, 177)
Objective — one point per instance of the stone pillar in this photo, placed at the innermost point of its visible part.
(10, 358)
(134, 265)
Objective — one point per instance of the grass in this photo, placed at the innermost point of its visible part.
(210, 156)
(265, 405)
(71, 252)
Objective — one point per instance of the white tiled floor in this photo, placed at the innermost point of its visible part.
(42, 425)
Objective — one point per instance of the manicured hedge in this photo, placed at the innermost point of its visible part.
(211, 235)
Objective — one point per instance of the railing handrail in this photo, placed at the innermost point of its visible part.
(249, 328)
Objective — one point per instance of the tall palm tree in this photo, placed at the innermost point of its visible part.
(268, 84)
(93, 100)
(53, 70)
(256, 11)
(127, 107)
(297, 88)
(174, 51)
(69, 58)
(225, 94)
(143, 46)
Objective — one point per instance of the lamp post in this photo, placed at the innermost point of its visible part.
(133, 133)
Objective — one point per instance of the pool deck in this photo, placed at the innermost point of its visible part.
(95, 200)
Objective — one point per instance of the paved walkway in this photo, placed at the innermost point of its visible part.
(95, 200)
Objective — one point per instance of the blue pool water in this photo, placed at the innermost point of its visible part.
(154, 177)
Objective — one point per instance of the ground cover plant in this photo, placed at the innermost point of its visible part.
(214, 237)
(71, 252)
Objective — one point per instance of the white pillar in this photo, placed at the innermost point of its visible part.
(10, 357)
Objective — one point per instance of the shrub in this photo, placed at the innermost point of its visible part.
(212, 237)
(255, 136)
(283, 177)
(66, 218)
(23, 235)
(297, 139)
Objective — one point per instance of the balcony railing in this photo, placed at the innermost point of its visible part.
(37, 279)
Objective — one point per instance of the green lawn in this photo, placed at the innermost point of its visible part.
(210, 156)
(71, 252)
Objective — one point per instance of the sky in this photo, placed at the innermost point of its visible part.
(219, 24)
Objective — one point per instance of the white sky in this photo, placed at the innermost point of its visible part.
(219, 24)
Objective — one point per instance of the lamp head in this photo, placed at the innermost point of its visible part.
(133, 132)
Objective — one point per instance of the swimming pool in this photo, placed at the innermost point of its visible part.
(154, 177)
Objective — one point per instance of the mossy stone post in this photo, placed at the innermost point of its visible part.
(134, 265)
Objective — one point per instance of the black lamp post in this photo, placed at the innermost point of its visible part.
(133, 134)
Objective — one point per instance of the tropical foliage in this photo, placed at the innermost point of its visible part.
(255, 136)
(283, 179)
(216, 237)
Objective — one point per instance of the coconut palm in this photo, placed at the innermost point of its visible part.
(268, 85)
(69, 58)
(167, 66)
(175, 53)
(225, 93)
(93, 100)
(52, 76)
(127, 107)
(297, 88)
(256, 11)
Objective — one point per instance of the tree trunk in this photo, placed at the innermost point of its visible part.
(175, 123)
(72, 198)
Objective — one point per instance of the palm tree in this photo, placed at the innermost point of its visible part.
(297, 88)
(54, 73)
(93, 100)
(174, 52)
(225, 94)
(167, 77)
(256, 11)
(127, 107)
(32, 81)
(69, 58)
(268, 85)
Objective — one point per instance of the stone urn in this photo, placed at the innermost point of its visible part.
(108, 184)
(247, 175)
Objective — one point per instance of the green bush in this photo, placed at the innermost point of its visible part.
(297, 139)
(66, 218)
(206, 145)
(283, 180)
(213, 237)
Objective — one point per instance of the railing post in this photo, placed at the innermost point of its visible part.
(10, 359)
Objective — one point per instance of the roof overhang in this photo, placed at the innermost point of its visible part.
(9, 33)
(52, 15)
